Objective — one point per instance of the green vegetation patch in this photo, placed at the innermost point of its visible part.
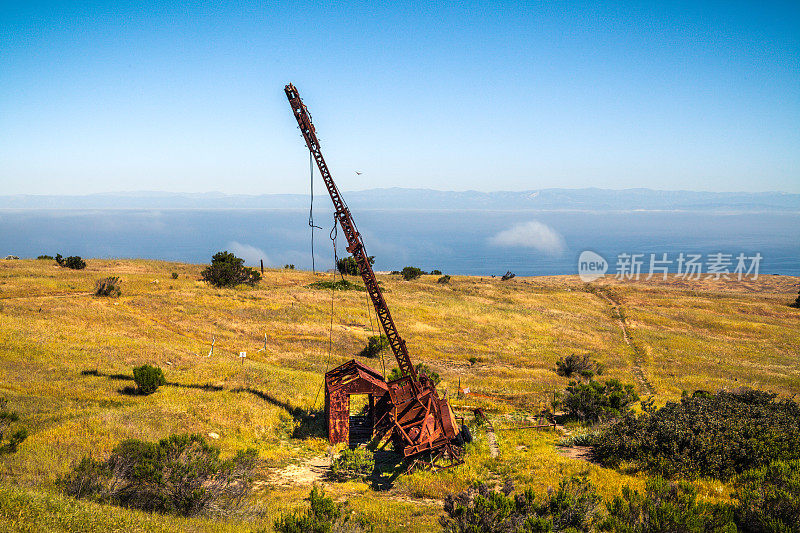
(148, 378)
(355, 464)
(74, 262)
(10, 434)
(375, 344)
(323, 516)
(718, 435)
(227, 270)
(597, 402)
(181, 474)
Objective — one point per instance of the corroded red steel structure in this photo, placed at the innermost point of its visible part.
(354, 243)
(418, 420)
(342, 382)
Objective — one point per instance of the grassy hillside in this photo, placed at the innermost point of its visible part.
(66, 358)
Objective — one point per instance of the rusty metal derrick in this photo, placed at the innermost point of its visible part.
(407, 411)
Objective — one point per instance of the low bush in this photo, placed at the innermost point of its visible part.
(181, 474)
(574, 506)
(356, 464)
(796, 303)
(664, 507)
(444, 279)
(174, 275)
(10, 435)
(322, 516)
(410, 273)
(507, 276)
(769, 498)
(597, 402)
(436, 272)
(581, 365)
(49, 257)
(148, 378)
(74, 262)
(375, 344)
(717, 435)
(422, 369)
(107, 287)
(227, 270)
(288, 267)
(348, 266)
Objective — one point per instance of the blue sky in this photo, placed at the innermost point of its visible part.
(188, 97)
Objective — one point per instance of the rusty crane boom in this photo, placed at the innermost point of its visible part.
(409, 410)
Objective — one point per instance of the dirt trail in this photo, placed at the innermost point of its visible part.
(579, 453)
(494, 450)
(637, 361)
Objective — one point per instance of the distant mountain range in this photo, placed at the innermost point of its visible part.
(399, 198)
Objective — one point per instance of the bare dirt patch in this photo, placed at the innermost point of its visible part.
(579, 453)
(307, 473)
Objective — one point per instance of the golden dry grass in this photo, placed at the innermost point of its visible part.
(699, 335)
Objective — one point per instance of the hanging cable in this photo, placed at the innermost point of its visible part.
(311, 211)
(333, 234)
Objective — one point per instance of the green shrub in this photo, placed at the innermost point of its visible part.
(348, 266)
(422, 369)
(322, 516)
(410, 273)
(148, 378)
(436, 272)
(10, 439)
(341, 285)
(50, 257)
(88, 479)
(769, 498)
(444, 279)
(796, 303)
(181, 474)
(507, 276)
(574, 507)
(107, 287)
(581, 365)
(174, 275)
(227, 270)
(74, 262)
(355, 464)
(717, 435)
(595, 401)
(375, 344)
(666, 507)
(288, 267)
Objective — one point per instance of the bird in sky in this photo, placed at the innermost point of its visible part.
(359, 173)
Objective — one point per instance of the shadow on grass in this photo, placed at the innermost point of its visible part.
(95, 372)
(208, 387)
(388, 466)
(308, 422)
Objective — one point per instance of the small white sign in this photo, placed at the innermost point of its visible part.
(466, 391)
(242, 354)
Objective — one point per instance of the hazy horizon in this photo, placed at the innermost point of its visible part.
(398, 187)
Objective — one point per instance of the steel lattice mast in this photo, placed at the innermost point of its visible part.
(354, 243)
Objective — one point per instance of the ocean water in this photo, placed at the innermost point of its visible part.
(453, 241)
